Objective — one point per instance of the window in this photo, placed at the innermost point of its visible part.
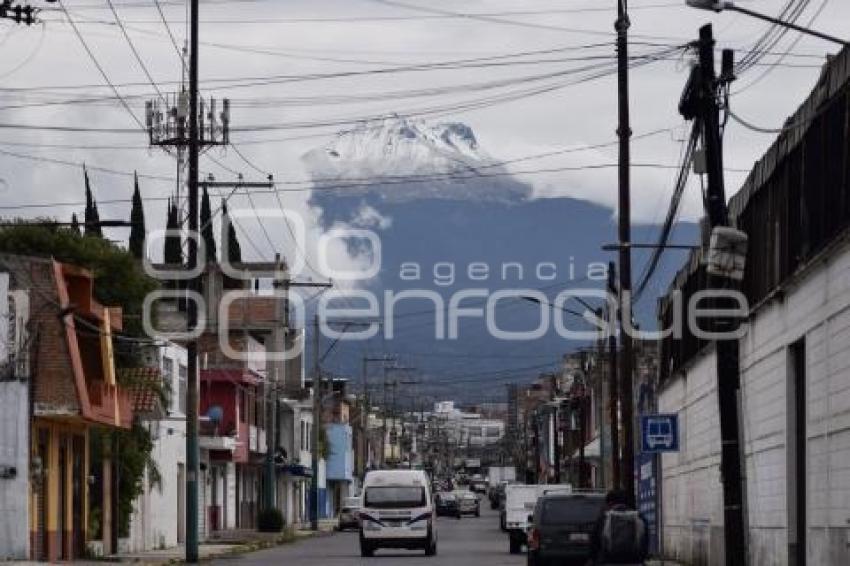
(395, 497)
(183, 379)
(571, 510)
(168, 381)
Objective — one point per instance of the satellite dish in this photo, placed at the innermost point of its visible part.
(215, 414)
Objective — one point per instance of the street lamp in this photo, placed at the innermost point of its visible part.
(719, 6)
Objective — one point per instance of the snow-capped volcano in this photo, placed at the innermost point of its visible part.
(401, 159)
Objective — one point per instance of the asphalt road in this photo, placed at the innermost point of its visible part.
(468, 542)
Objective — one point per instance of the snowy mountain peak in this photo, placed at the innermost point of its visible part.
(442, 159)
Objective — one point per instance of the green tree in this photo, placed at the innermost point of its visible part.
(137, 221)
(207, 227)
(173, 247)
(234, 250)
(92, 216)
(120, 280)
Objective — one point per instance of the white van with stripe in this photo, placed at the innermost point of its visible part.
(397, 512)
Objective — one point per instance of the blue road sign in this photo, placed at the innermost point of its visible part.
(659, 433)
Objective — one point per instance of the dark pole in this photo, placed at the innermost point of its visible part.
(613, 385)
(556, 430)
(728, 369)
(384, 423)
(192, 452)
(624, 132)
(317, 423)
(582, 439)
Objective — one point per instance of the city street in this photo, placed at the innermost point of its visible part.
(468, 542)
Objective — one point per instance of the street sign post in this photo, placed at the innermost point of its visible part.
(659, 433)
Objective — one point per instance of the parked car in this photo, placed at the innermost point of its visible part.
(348, 518)
(561, 528)
(469, 504)
(447, 505)
(496, 494)
(520, 500)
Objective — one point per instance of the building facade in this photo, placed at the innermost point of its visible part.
(73, 395)
(793, 365)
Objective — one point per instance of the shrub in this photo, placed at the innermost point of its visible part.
(270, 521)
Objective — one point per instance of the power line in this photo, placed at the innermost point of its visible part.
(133, 49)
(99, 67)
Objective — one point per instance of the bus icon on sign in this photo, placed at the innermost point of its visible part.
(659, 433)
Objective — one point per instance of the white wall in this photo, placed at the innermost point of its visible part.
(818, 308)
(14, 430)
(14, 442)
(692, 506)
(154, 523)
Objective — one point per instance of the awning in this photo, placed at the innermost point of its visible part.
(297, 470)
(591, 449)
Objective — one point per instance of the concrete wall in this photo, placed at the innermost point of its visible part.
(692, 506)
(817, 309)
(155, 520)
(14, 452)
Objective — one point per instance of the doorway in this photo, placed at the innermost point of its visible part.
(181, 503)
(796, 453)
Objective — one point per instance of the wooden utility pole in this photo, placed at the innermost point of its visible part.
(317, 423)
(192, 448)
(624, 132)
(701, 103)
(613, 384)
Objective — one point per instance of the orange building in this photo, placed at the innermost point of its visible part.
(73, 391)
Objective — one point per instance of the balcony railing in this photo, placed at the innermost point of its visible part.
(110, 404)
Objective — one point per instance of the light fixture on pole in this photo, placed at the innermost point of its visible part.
(719, 6)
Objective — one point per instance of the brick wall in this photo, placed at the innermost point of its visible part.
(54, 388)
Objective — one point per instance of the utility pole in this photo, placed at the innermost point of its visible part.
(192, 450)
(556, 427)
(272, 386)
(273, 390)
(613, 384)
(366, 401)
(384, 432)
(624, 132)
(317, 423)
(700, 102)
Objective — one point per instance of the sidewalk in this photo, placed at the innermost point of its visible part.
(220, 544)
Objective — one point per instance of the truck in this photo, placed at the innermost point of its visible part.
(500, 474)
(520, 500)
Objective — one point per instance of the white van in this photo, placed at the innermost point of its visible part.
(397, 511)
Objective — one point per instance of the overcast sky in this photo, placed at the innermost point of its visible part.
(265, 38)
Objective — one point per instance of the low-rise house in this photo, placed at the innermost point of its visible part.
(73, 392)
(159, 516)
